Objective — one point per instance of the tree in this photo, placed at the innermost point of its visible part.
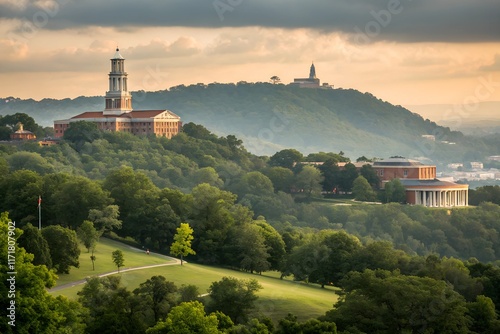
(254, 183)
(290, 325)
(33, 242)
(309, 180)
(187, 318)
(106, 219)
(384, 302)
(157, 294)
(275, 79)
(188, 293)
(182, 242)
(111, 307)
(20, 191)
(198, 131)
(81, 132)
(370, 175)
(35, 310)
(394, 191)
(233, 297)
(286, 158)
(133, 192)
(363, 159)
(347, 177)
(76, 198)
(331, 175)
(30, 161)
(88, 235)
(274, 244)
(281, 178)
(307, 262)
(484, 317)
(247, 249)
(207, 175)
(362, 190)
(211, 220)
(10, 123)
(63, 245)
(118, 258)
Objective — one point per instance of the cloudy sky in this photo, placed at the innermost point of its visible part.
(403, 51)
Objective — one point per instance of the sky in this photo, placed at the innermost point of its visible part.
(407, 52)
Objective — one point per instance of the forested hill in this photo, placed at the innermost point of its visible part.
(270, 117)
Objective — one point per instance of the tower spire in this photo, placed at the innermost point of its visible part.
(118, 98)
(312, 71)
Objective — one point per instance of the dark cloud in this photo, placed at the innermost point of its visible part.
(364, 20)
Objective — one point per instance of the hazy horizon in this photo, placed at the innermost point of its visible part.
(61, 48)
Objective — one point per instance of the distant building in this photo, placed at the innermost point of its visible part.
(48, 142)
(118, 114)
(311, 82)
(494, 158)
(422, 186)
(22, 134)
(430, 137)
(455, 165)
(476, 165)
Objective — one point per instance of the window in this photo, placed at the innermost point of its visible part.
(381, 172)
(405, 172)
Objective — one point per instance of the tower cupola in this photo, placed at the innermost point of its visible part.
(118, 98)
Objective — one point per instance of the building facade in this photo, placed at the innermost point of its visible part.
(22, 134)
(311, 82)
(118, 114)
(420, 182)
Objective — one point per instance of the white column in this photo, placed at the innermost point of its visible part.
(466, 197)
(434, 198)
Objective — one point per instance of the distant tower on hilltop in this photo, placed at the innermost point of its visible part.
(312, 72)
(118, 98)
(311, 82)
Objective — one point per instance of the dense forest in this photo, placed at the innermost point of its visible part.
(399, 268)
(269, 118)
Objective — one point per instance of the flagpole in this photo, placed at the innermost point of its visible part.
(39, 212)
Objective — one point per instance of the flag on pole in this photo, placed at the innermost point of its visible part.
(39, 201)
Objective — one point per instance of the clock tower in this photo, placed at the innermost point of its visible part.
(118, 98)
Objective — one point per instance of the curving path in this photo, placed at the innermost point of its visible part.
(82, 281)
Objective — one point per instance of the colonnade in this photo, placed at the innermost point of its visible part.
(442, 198)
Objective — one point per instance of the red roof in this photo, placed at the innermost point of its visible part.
(132, 114)
(89, 114)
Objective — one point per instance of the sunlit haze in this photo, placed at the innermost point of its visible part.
(405, 52)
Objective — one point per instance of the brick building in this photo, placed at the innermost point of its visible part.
(422, 187)
(118, 114)
(22, 134)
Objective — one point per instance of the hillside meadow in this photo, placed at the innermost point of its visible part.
(277, 298)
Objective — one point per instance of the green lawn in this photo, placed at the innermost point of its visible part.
(104, 263)
(276, 299)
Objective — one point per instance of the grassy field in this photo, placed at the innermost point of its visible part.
(276, 299)
(104, 263)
